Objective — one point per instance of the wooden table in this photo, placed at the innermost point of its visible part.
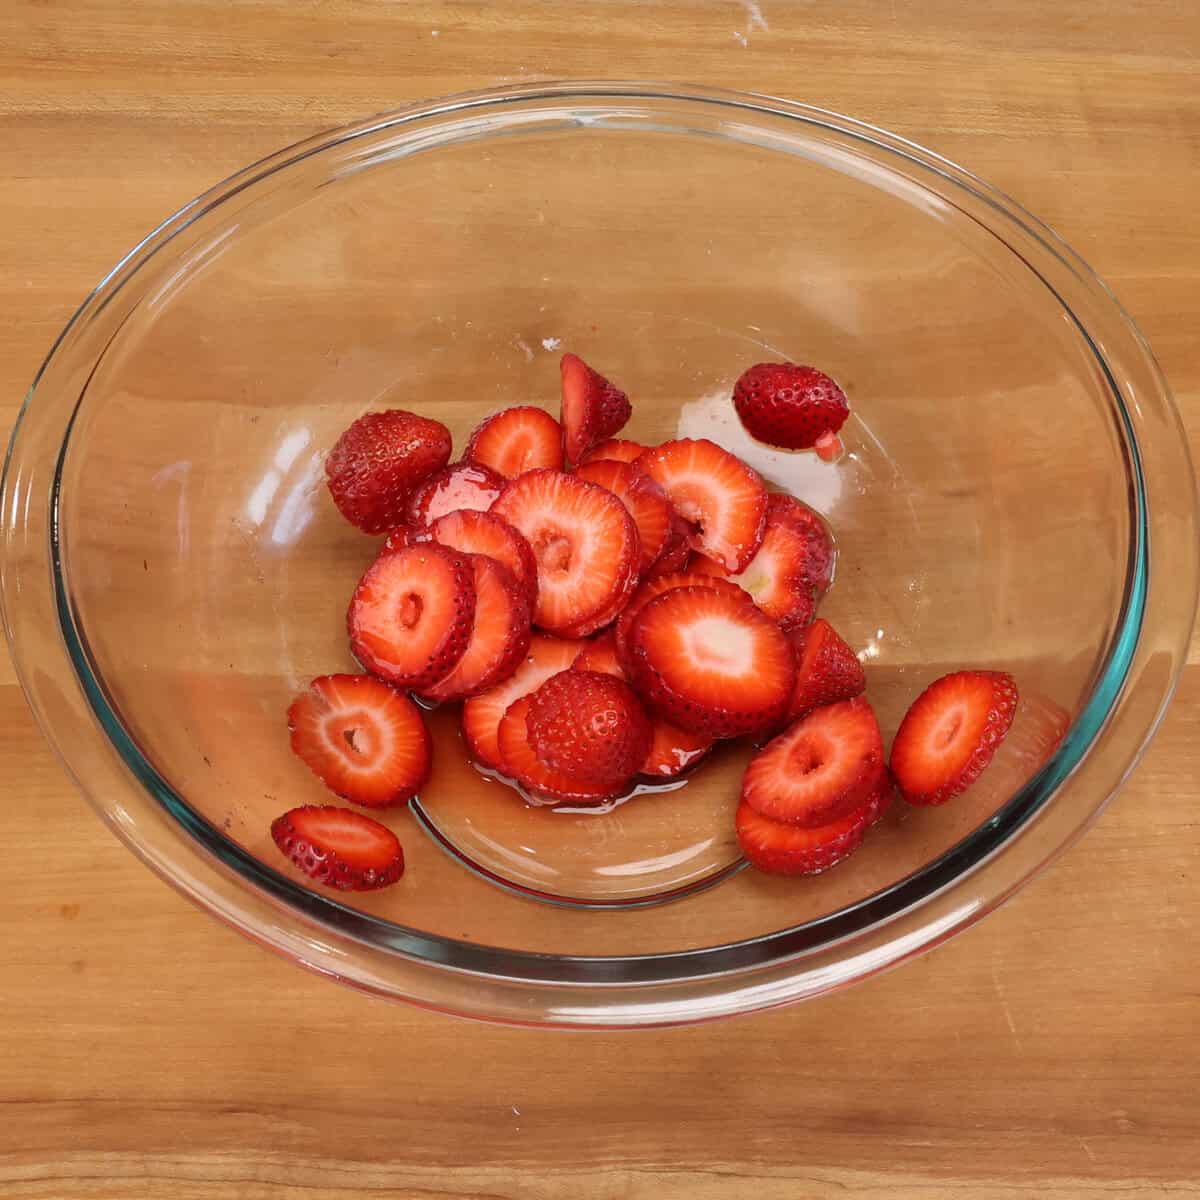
(145, 1051)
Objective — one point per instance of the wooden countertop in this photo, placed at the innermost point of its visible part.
(146, 1051)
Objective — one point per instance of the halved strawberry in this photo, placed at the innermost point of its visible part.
(486, 533)
(482, 714)
(819, 768)
(643, 497)
(711, 663)
(590, 726)
(614, 450)
(676, 551)
(517, 440)
(600, 654)
(376, 463)
(465, 485)
(339, 848)
(950, 733)
(785, 404)
(585, 543)
(827, 670)
(782, 849)
(822, 554)
(363, 739)
(722, 498)
(673, 751)
(519, 761)
(592, 408)
(411, 615)
(499, 637)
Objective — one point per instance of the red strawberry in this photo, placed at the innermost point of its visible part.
(676, 551)
(585, 543)
(829, 447)
(821, 552)
(411, 615)
(600, 655)
(673, 751)
(641, 495)
(827, 670)
(376, 463)
(819, 769)
(482, 714)
(465, 485)
(363, 739)
(589, 726)
(486, 533)
(711, 663)
(592, 408)
(614, 450)
(517, 440)
(950, 733)
(788, 405)
(518, 761)
(722, 498)
(783, 849)
(499, 637)
(339, 848)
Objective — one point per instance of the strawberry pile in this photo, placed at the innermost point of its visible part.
(606, 611)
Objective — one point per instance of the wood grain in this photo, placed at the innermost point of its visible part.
(147, 1052)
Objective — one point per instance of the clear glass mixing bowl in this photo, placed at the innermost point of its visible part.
(1017, 494)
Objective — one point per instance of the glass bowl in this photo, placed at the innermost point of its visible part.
(1016, 494)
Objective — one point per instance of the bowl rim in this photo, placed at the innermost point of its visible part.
(950, 869)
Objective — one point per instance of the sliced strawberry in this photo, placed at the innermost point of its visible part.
(614, 450)
(711, 663)
(649, 508)
(822, 554)
(722, 498)
(950, 733)
(589, 726)
(482, 714)
(499, 637)
(827, 670)
(782, 849)
(676, 551)
(788, 405)
(592, 408)
(673, 751)
(486, 533)
(517, 440)
(339, 848)
(376, 463)
(411, 615)
(465, 485)
(829, 447)
(600, 654)
(819, 768)
(363, 739)
(518, 761)
(584, 541)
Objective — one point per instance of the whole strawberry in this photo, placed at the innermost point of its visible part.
(378, 461)
(788, 405)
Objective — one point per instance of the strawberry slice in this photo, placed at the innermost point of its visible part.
(519, 761)
(600, 655)
(711, 663)
(376, 463)
(585, 543)
(643, 497)
(614, 450)
(411, 615)
(486, 533)
(517, 440)
(482, 714)
(465, 485)
(950, 733)
(592, 408)
(499, 637)
(722, 498)
(339, 848)
(827, 670)
(363, 739)
(589, 726)
(782, 849)
(822, 554)
(788, 405)
(673, 751)
(819, 769)
(676, 551)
